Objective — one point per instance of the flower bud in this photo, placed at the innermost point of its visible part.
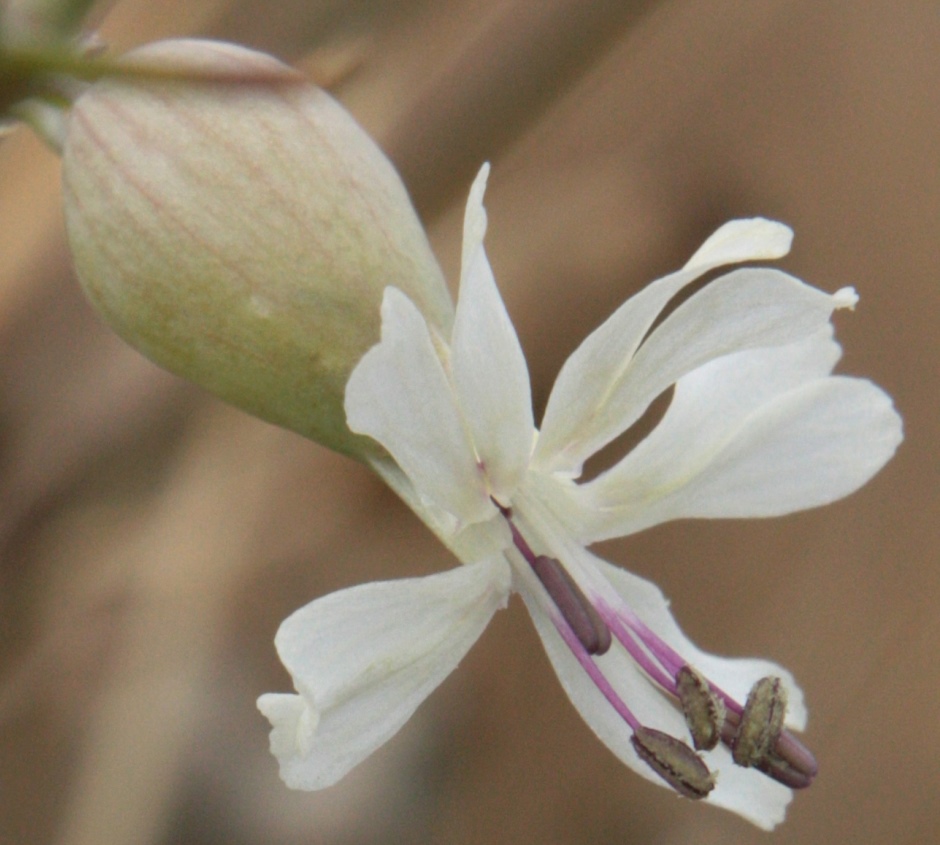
(241, 233)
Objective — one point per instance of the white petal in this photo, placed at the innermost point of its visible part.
(363, 659)
(802, 448)
(594, 370)
(489, 369)
(743, 309)
(474, 220)
(400, 395)
(709, 406)
(743, 791)
(758, 799)
(753, 239)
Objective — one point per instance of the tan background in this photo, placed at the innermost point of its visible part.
(152, 539)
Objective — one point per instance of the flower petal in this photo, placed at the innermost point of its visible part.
(760, 433)
(743, 791)
(400, 395)
(489, 369)
(363, 659)
(751, 239)
(599, 364)
(743, 309)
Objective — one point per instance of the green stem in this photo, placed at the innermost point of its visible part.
(21, 64)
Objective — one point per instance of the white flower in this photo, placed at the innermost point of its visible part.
(758, 425)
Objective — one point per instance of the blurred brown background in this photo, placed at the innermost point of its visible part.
(153, 539)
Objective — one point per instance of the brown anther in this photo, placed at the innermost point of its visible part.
(704, 711)
(761, 723)
(674, 762)
(582, 617)
(781, 771)
(790, 762)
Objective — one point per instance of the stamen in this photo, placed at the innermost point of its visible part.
(575, 607)
(781, 771)
(626, 624)
(577, 611)
(704, 711)
(595, 674)
(796, 757)
(644, 660)
(761, 722)
(754, 733)
(789, 762)
(786, 759)
(674, 762)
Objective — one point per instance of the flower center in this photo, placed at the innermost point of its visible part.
(754, 732)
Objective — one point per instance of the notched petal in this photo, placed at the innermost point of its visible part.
(474, 221)
(489, 369)
(597, 394)
(399, 394)
(294, 724)
(363, 659)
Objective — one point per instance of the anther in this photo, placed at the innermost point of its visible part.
(582, 617)
(782, 771)
(792, 759)
(789, 762)
(704, 711)
(761, 722)
(674, 762)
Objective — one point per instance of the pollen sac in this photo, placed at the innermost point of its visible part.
(674, 762)
(790, 763)
(761, 723)
(704, 711)
(582, 617)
